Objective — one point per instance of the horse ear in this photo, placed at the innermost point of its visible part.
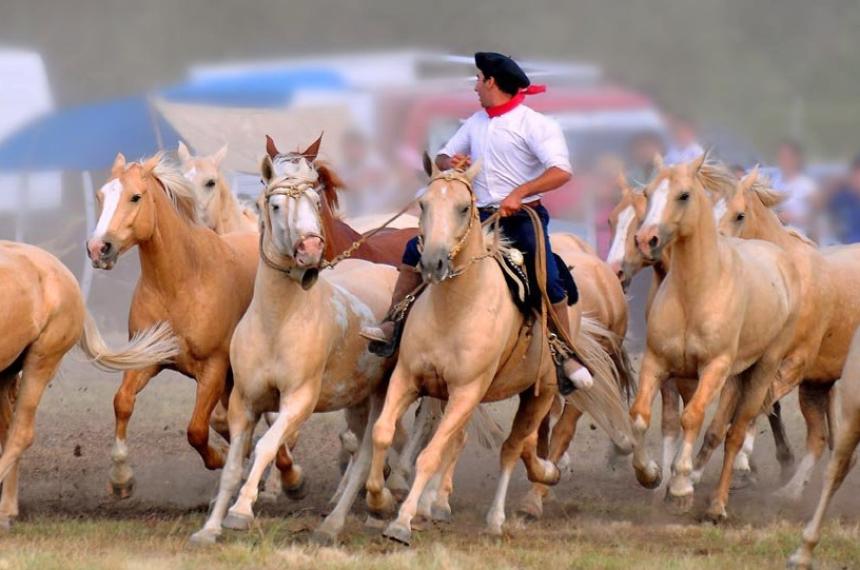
(118, 164)
(267, 169)
(430, 168)
(219, 156)
(183, 153)
(271, 149)
(312, 151)
(151, 163)
(697, 163)
(658, 161)
(473, 170)
(753, 175)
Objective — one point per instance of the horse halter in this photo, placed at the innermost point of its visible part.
(294, 188)
(457, 176)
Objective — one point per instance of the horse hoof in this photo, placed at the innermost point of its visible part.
(122, 491)
(398, 486)
(204, 537)
(531, 508)
(298, 492)
(6, 524)
(384, 505)
(716, 513)
(650, 477)
(743, 479)
(237, 521)
(322, 537)
(799, 561)
(374, 522)
(680, 504)
(441, 513)
(399, 533)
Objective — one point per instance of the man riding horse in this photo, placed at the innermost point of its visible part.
(523, 154)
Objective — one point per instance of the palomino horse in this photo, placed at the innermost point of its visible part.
(626, 260)
(199, 282)
(44, 317)
(297, 349)
(466, 342)
(725, 307)
(847, 437)
(829, 278)
(386, 246)
(219, 209)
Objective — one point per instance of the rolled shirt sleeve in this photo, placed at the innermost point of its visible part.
(547, 142)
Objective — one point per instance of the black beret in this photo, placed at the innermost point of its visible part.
(508, 75)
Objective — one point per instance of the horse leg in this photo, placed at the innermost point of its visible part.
(560, 437)
(210, 387)
(711, 380)
(295, 408)
(461, 403)
(292, 480)
(426, 417)
(350, 443)
(847, 439)
(749, 407)
(522, 443)
(780, 439)
(331, 527)
(9, 498)
(241, 420)
(441, 508)
(651, 377)
(402, 391)
(716, 432)
(670, 426)
(814, 402)
(121, 476)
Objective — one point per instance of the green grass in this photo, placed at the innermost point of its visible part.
(44, 543)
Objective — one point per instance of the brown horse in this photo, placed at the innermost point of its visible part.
(831, 315)
(725, 307)
(44, 317)
(386, 246)
(199, 282)
(847, 437)
(466, 342)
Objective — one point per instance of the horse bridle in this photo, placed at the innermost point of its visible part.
(294, 188)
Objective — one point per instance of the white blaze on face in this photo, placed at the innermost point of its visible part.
(190, 174)
(657, 204)
(303, 217)
(111, 193)
(720, 210)
(619, 240)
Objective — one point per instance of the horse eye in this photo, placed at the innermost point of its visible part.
(740, 217)
(275, 207)
(210, 184)
(464, 210)
(684, 196)
(136, 198)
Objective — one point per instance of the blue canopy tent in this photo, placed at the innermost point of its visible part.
(88, 137)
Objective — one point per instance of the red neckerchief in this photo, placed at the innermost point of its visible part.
(499, 110)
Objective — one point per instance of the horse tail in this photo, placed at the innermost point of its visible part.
(486, 430)
(603, 401)
(155, 345)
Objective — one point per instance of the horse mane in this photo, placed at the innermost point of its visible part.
(332, 183)
(769, 197)
(716, 179)
(177, 187)
(797, 234)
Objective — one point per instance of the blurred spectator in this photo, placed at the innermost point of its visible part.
(738, 170)
(844, 206)
(684, 145)
(797, 210)
(643, 148)
(371, 183)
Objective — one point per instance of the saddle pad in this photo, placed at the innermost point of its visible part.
(517, 280)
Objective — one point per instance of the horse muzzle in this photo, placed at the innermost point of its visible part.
(309, 251)
(102, 252)
(650, 241)
(435, 265)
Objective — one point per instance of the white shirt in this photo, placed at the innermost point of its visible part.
(799, 190)
(678, 155)
(513, 148)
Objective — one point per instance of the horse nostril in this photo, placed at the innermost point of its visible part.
(439, 265)
(106, 248)
(620, 275)
(653, 241)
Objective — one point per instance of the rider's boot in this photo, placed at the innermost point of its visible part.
(385, 336)
(572, 374)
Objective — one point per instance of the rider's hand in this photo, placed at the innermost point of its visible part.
(510, 205)
(461, 161)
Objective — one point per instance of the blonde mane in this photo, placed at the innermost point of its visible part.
(769, 197)
(178, 188)
(716, 179)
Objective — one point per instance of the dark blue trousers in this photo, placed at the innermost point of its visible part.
(518, 229)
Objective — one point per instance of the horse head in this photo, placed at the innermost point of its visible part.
(204, 173)
(624, 257)
(448, 215)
